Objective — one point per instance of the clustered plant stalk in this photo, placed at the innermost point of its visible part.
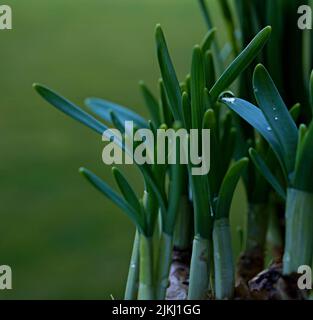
(181, 211)
(287, 44)
(292, 147)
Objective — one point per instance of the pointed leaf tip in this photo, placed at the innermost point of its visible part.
(104, 188)
(81, 170)
(241, 62)
(158, 30)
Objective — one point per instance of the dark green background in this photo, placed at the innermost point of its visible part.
(62, 238)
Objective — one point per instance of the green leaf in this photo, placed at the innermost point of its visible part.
(228, 188)
(241, 62)
(187, 83)
(228, 142)
(207, 40)
(230, 24)
(126, 190)
(76, 113)
(102, 109)
(114, 197)
(186, 110)
(209, 69)
(304, 168)
(175, 191)
(274, 48)
(151, 103)
(303, 129)
(70, 108)
(197, 88)
(255, 117)
(167, 117)
(200, 199)
(207, 101)
(205, 13)
(226, 10)
(311, 88)
(277, 115)
(117, 122)
(295, 111)
(266, 172)
(169, 75)
(150, 182)
(210, 122)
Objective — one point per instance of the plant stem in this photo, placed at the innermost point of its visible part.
(199, 269)
(133, 273)
(184, 225)
(223, 260)
(156, 240)
(146, 284)
(251, 261)
(299, 237)
(257, 226)
(164, 265)
(274, 234)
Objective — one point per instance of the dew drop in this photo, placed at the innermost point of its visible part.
(275, 118)
(229, 99)
(269, 129)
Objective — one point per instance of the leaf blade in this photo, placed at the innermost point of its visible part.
(151, 104)
(69, 108)
(228, 187)
(208, 40)
(311, 90)
(266, 172)
(242, 61)
(277, 115)
(113, 196)
(304, 169)
(102, 109)
(169, 76)
(126, 190)
(255, 117)
(197, 88)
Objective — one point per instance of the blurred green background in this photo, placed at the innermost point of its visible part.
(63, 239)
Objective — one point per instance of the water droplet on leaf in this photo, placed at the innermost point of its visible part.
(228, 99)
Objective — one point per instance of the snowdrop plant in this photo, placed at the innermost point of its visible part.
(200, 98)
(288, 43)
(292, 147)
(172, 195)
